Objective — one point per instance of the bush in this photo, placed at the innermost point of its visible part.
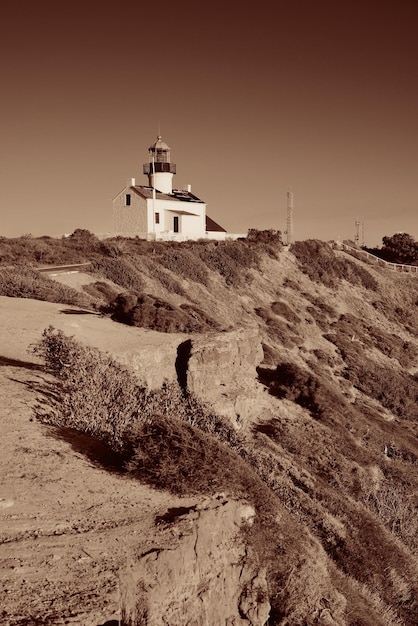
(23, 282)
(100, 397)
(170, 454)
(154, 269)
(269, 236)
(186, 264)
(97, 396)
(147, 311)
(322, 265)
(119, 271)
(230, 259)
(298, 385)
(166, 437)
(101, 291)
(283, 309)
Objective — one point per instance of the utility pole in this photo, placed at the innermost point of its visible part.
(289, 219)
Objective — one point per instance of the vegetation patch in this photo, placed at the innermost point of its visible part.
(79, 247)
(101, 291)
(185, 264)
(148, 311)
(303, 478)
(120, 271)
(319, 262)
(23, 282)
(230, 259)
(298, 385)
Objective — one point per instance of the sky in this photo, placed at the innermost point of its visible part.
(252, 98)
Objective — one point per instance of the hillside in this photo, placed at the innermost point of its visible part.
(285, 380)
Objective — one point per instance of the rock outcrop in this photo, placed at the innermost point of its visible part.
(229, 362)
(200, 573)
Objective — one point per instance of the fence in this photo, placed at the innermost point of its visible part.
(396, 267)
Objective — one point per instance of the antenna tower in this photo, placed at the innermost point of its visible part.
(289, 219)
(359, 233)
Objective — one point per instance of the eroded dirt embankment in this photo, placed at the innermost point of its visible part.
(84, 545)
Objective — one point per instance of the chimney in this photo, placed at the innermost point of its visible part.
(187, 188)
(131, 182)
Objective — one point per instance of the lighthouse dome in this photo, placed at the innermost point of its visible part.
(159, 145)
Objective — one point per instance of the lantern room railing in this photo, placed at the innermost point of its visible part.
(151, 168)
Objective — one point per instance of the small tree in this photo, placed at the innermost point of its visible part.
(400, 248)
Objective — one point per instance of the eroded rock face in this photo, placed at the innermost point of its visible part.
(222, 371)
(202, 576)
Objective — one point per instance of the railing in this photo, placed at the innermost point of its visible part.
(396, 267)
(156, 168)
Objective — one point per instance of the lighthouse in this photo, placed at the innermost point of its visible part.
(159, 169)
(157, 211)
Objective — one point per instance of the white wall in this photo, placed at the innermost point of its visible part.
(191, 226)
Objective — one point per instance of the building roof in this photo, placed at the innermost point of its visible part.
(159, 145)
(212, 226)
(177, 194)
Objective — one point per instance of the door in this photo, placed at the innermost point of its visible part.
(176, 224)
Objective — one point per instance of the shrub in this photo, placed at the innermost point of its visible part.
(322, 265)
(269, 236)
(294, 383)
(186, 264)
(395, 510)
(170, 454)
(97, 396)
(230, 259)
(166, 437)
(23, 282)
(101, 291)
(277, 330)
(283, 309)
(100, 397)
(396, 391)
(119, 271)
(147, 311)
(153, 268)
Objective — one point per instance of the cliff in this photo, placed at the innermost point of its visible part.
(302, 366)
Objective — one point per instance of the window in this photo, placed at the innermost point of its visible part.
(128, 199)
(157, 218)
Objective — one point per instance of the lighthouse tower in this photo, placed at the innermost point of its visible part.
(159, 169)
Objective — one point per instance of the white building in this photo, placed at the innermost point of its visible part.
(157, 211)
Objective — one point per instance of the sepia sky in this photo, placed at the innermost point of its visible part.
(252, 98)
